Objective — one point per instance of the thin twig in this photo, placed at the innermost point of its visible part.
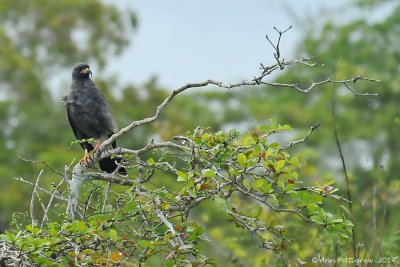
(39, 188)
(170, 227)
(344, 169)
(107, 191)
(44, 163)
(87, 203)
(276, 47)
(255, 197)
(34, 193)
(303, 140)
(55, 191)
(326, 81)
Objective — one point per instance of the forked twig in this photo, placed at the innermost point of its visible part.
(303, 140)
(34, 193)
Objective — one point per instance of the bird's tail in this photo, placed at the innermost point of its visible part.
(109, 165)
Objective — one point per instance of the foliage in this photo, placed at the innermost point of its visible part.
(368, 127)
(136, 224)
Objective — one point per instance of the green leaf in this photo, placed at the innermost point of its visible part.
(151, 161)
(316, 198)
(285, 127)
(192, 192)
(281, 184)
(208, 173)
(8, 236)
(144, 243)
(131, 207)
(113, 235)
(258, 148)
(265, 127)
(306, 198)
(294, 161)
(233, 172)
(294, 175)
(32, 229)
(267, 153)
(335, 221)
(181, 176)
(242, 160)
(279, 165)
(311, 207)
(205, 137)
(272, 198)
(258, 184)
(246, 184)
(343, 235)
(289, 187)
(349, 223)
(52, 230)
(180, 179)
(317, 219)
(261, 185)
(274, 145)
(169, 263)
(81, 226)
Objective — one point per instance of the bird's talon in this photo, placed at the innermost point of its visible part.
(86, 159)
(96, 147)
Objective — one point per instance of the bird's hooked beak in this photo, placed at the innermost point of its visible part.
(86, 70)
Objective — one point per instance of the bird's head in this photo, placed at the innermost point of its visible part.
(81, 71)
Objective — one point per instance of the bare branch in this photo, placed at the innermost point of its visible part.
(107, 191)
(277, 53)
(44, 163)
(109, 178)
(268, 70)
(329, 80)
(253, 82)
(301, 140)
(170, 227)
(147, 148)
(253, 226)
(78, 177)
(40, 188)
(53, 196)
(322, 193)
(34, 192)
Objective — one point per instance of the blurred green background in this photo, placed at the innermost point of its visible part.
(41, 41)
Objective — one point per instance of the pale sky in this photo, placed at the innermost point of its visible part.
(189, 41)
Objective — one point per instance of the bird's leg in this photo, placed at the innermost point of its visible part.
(86, 158)
(96, 147)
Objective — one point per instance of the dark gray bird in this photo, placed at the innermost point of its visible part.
(90, 116)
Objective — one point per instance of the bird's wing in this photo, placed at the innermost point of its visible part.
(75, 126)
(100, 113)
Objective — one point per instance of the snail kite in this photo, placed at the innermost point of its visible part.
(90, 116)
